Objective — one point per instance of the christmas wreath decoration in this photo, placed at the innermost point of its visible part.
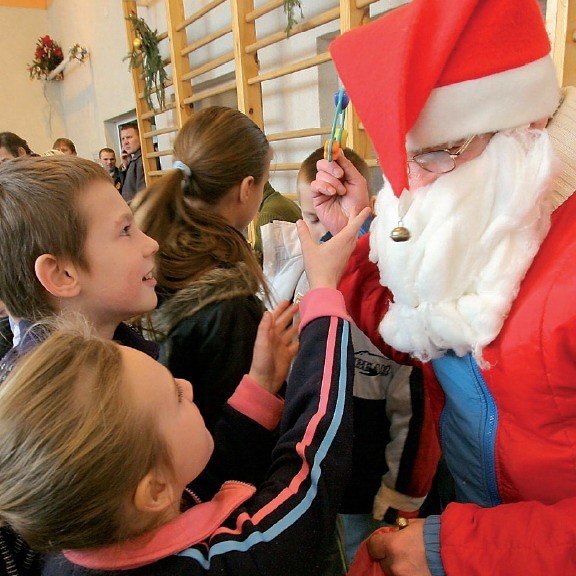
(49, 61)
(146, 55)
(47, 57)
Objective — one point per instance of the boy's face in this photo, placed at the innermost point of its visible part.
(108, 160)
(118, 283)
(317, 230)
(170, 401)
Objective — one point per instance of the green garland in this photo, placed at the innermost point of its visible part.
(145, 55)
(289, 8)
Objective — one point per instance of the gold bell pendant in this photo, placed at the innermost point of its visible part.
(400, 233)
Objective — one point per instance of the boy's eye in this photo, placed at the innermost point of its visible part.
(126, 230)
(180, 392)
(311, 217)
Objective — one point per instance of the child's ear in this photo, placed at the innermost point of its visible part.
(246, 189)
(154, 493)
(58, 277)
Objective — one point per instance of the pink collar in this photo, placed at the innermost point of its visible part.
(190, 528)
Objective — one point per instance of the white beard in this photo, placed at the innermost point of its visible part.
(475, 232)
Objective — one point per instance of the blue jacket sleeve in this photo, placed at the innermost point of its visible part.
(288, 523)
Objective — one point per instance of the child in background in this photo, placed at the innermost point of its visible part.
(65, 145)
(274, 206)
(209, 280)
(72, 385)
(388, 476)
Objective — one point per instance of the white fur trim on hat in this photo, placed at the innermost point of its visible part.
(497, 102)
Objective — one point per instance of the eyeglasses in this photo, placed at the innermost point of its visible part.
(439, 161)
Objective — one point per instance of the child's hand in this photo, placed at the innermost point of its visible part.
(275, 347)
(325, 263)
(338, 189)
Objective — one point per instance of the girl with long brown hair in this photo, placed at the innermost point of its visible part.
(209, 280)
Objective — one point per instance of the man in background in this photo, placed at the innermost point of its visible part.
(107, 158)
(134, 176)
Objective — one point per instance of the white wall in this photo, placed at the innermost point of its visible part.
(30, 108)
(100, 88)
(91, 93)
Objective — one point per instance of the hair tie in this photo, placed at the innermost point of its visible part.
(184, 167)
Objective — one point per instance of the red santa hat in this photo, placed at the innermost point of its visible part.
(433, 72)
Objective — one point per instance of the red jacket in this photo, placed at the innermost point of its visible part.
(515, 472)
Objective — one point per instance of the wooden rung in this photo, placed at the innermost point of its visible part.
(198, 14)
(284, 167)
(153, 89)
(159, 153)
(319, 20)
(206, 40)
(157, 172)
(157, 111)
(162, 36)
(264, 9)
(291, 68)
(160, 131)
(303, 133)
(364, 3)
(213, 92)
(210, 65)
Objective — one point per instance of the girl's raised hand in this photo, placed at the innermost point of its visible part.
(275, 347)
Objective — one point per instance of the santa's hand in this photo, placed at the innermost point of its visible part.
(401, 552)
(338, 189)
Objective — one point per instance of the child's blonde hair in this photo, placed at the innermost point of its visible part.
(73, 448)
(39, 215)
(220, 146)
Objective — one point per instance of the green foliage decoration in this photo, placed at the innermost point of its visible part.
(290, 7)
(145, 55)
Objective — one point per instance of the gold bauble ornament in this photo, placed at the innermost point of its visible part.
(137, 43)
(400, 234)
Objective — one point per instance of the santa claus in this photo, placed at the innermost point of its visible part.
(470, 267)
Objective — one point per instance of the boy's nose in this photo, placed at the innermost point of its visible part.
(151, 245)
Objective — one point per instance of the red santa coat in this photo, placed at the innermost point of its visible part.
(527, 450)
